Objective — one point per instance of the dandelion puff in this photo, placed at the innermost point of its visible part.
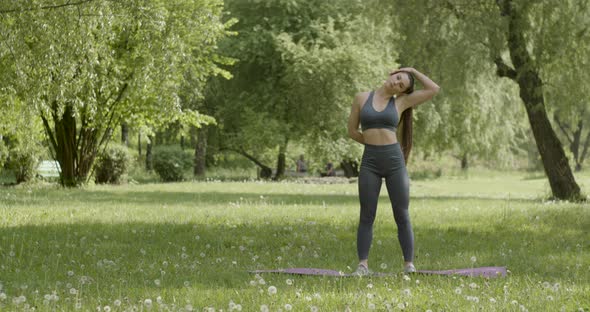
(272, 290)
(473, 286)
(371, 306)
(117, 303)
(264, 308)
(307, 298)
(546, 284)
(383, 266)
(401, 306)
(288, 307)
(70, 273)
(550, 298)
(370, 286)
(252, 283)
(147, 302)
(407, 292)
(314, 309)
(458, 291)
(73, 291)
(473, 259)
(513, 302)
(370, 296)
(157, 282)
(406, 278)
(2, 296)
(289, 282)
(107, 309)
(188, 307)
(492, 300)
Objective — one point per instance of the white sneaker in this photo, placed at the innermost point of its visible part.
(362, 270)
(409, 269)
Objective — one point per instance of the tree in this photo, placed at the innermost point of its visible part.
(84, 67)
(299, 66)
(507, 34)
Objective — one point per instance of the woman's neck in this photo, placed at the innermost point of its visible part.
(383, 93)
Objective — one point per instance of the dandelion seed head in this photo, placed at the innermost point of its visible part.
(289, 282)
(383, 266)
(117, 303)
(458, 291)
(272, 290)
(371, 306)
(473, 259)
(288, 307)
(264, 308)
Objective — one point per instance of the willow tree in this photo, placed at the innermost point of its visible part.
(520, 38)
(84, 66)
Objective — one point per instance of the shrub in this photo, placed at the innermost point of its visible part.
(112, 164)
(3, 154)
(23, 160)
(170, 162)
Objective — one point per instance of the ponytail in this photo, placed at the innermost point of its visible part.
(406, 133)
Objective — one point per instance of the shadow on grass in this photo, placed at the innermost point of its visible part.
(208, 198)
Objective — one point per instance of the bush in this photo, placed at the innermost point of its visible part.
(3, 154)
(112, 164)
(23, 161)
(170, 162)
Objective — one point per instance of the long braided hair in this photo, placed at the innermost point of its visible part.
(406, 123)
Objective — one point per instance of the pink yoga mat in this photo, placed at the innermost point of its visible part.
(489, 272)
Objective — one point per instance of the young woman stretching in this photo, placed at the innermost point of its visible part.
(378, 114)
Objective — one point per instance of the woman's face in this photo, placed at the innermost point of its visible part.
(398, 83)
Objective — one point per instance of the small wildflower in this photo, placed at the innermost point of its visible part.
(473, 286)
(406, 278)
(370, 286)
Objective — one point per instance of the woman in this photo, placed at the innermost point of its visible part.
(377, 112)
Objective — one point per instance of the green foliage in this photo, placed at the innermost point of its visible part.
(3, 154)
(23, 159)
(171, 162)
(105, 61)
(112, 164)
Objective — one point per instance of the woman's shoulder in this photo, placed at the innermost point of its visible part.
(361, 97)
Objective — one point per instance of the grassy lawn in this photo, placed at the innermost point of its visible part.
(189, 246)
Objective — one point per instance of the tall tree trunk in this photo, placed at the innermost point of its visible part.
(201, 151)
(464, 163)
(149, 165)
(125, 134)
(281, 161)
(525, 73)
(139, 142)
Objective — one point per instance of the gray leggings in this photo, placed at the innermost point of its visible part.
(384, 161)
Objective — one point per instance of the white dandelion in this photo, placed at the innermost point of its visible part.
(272, 290)
(288, 307)
(289, 282)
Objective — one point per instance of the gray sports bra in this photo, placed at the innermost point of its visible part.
(386, 119)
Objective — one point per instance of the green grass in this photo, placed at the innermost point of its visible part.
(191, 245)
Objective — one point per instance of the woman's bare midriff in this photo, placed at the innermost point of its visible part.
(379, 137)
